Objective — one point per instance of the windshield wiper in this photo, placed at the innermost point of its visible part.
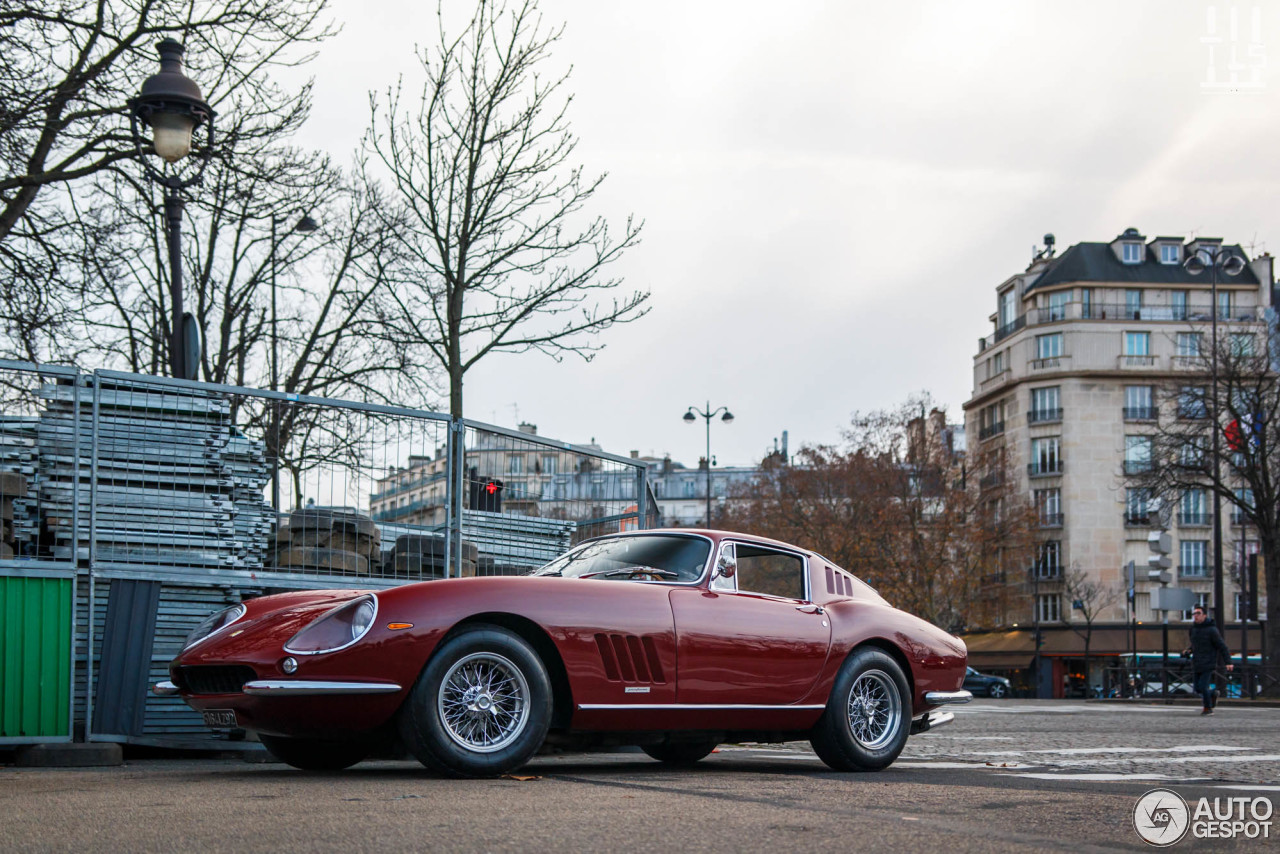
(632, 570)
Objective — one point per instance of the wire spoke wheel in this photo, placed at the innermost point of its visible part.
(483, 702)
(874, 709)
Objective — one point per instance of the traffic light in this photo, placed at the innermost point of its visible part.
(485, 494)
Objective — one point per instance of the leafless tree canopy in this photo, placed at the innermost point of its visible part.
(504, 255)
(1248, 425)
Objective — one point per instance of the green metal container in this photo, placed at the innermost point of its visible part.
(35, 658)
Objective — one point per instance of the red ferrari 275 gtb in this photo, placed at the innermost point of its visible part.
(710, 637)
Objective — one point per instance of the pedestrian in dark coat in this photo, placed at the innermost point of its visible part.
(1207, 646)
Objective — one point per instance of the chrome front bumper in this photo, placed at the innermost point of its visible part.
(946, 698)
(294, 688)
(933, 720)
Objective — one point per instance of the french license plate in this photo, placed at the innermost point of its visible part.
(220, 718)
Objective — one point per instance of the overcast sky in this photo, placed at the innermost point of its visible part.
(832, 191)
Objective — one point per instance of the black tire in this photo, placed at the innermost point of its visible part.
(311, 754)
(480, 735)
(997, 691)
(680, 752)
(869, 683)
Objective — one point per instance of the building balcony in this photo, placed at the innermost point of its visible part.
(1045, 468)
(1184, 362)
(1240, 519)
(1046, 573)
(990, 430)
(1137, 519)
(1141, 413)
(1193, 520)
(1137, 466)
(1130, 362)
(1050, 363)
(1044, 416)
(1121, 312)
(996, 379)
(991, 481)
(1051, 520)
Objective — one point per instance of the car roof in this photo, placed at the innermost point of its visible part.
(716, 536)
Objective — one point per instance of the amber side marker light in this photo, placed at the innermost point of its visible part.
(397, 626)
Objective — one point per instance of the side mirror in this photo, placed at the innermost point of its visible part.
(726, 567)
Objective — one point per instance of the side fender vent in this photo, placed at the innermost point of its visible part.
(628, 658)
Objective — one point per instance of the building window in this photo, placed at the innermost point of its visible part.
(1137, 343)
(1132, 253)
(515, 464)
(690, 488)
(1047, 608)
(1086, 303)
(1191, 453)
(1224, 305)
(1049, 560)
(1192, 402)
(1058, 305)
(1133, 304)
(1049, 506)
(1170, 253)
(1008, 310)
(1139, 403)
(1191, 510)
(1137, 509)
(1137, 454)
(1205, 254)
(1189, 344)
(1046, 456)
(1241, 344)
(1192, 561)
(997, 364)
(1178, 304)
(549, 463)
(1244, 502)
(1049, 346)
(1046, 404)
(1201, 602)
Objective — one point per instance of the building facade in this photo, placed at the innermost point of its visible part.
(1068, 390)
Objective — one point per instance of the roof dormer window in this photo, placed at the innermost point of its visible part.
(1170, 253)
(1132, 253)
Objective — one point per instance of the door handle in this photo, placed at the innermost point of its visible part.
(811, 609)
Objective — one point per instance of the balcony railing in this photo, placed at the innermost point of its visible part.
(1046, 573)
(1122, 312)
(1193, 572)
(1044, 468)
(1140, 413)
(1000, 377)
(1044, 416)
(990, 430)
(1137, 519)
(1137, 466)
(1050, 363)
(1239, 519)
(1193, 520)
(1131, 361)
(1051, 520)
(991, 481)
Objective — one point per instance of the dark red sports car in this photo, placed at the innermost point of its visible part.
(673, 640)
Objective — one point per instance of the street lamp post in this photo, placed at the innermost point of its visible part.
(305, 225)
(1228, 262)
(170, 103)
(708, 413)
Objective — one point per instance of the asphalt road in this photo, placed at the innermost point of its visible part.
(1005, 776)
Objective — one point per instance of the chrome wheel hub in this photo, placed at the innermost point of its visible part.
(483, 702)
(874, 709)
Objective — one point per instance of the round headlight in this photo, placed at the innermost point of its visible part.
(337, 628)
(214, 624)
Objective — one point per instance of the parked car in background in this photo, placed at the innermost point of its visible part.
(672, 640)
(986, 685)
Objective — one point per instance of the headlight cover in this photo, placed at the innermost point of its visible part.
(336, 629)
(213, 625)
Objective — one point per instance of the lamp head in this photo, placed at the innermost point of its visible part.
(306, 225)
(1194, 264)
(727, 417)
(1233, 265)
(689, 416)
(170, 103)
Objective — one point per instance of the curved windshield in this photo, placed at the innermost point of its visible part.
(646, 558)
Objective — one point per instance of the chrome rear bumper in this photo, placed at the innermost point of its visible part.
(944, 698)
(933, 720)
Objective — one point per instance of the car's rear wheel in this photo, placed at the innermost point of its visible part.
(311, 754)
(868, 714)
(680, 752)
(481, 706)
(997, 691)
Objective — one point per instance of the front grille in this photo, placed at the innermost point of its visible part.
(213, 678)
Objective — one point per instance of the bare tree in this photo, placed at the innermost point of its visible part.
(1248, 424)
(1093, 597)
(505, 258)
(66, 69)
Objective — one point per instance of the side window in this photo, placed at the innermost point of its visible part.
(769, 572)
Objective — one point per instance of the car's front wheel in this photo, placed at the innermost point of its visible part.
(997, 691)
(481, 706)
(311, 754)
(868, 714)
